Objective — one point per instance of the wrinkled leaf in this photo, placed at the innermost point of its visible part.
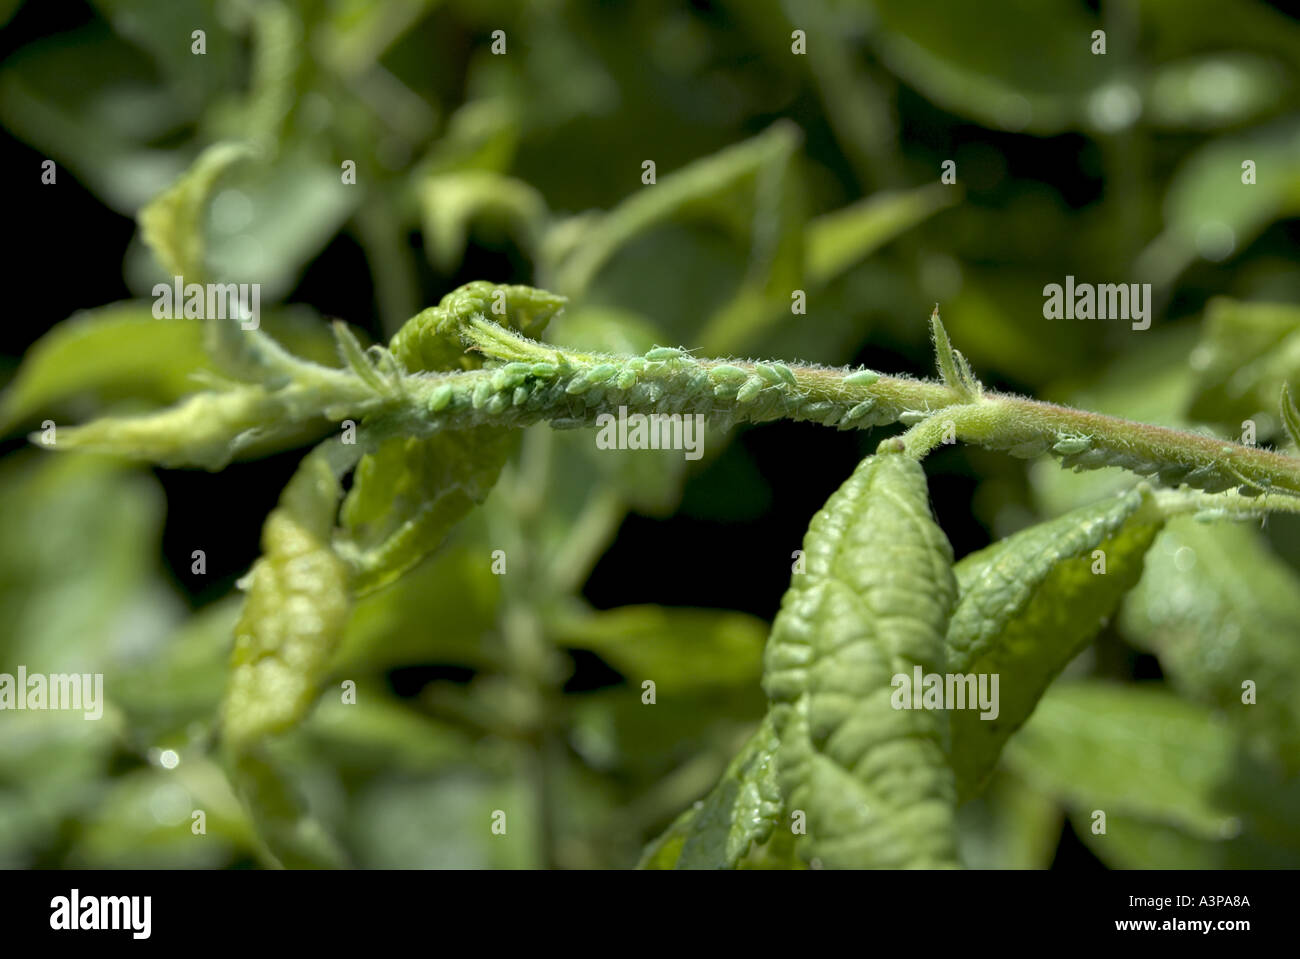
(874, 603)
(295, 611)
(742, 810)
(1027, 605)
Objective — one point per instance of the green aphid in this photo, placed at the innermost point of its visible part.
(861, 378)
(498, 403)
(579, 384)
(599, 374)
(521, 396)
(661, 354)
(912, 417)
(441, 397)
(768, 373)
(724, 390)
(1067, 445)
(636, 363)
(859, 411)
(698, 383)
(751, 388)
(512, 374)
(626, 379)
(785, 373)
(482, 393)
(727, 374)
(544, 371)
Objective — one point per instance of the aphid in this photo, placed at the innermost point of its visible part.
(599, 374)
(861, 378)
(1067, 445)
(784, 372)
(497, 403)
(859, 411)
(768, 373)
(521, 396)
(579, 384)
(636, 363)
(661, 354)
(724, 373)
(544, 370)
(912, 417)
(625, 379)
(482, 392)
(441, 397)
(751, 388)
(512, 374)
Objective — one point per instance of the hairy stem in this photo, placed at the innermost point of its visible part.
(531, 382)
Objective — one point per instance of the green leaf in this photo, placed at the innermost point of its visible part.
(103, 132)
(455, 588)
(409, 493)
(1174, 783)
(1213, 91)
(1129, 751)
(1009, 826)
(1219, 609)
(1211, 214)
(837, 240)
(873, 603)
(172, 223)
(431, 340)
(291, 836)
(1024, 65)
(296, 609)
(741, 811)
(145, 821)
(208, 429)
(111, 352)
(450, 202)
(155, 26)
(122, 352)
(1027, 605)
(1247, 354)
(678, 648)
(281, 216)
(706, 186)
(1290, 416)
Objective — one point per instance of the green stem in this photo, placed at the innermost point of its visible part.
(540, 383)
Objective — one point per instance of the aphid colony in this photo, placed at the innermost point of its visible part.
(662, 370)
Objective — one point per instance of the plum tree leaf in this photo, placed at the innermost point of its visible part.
(741, 812)
(1028, 604)
(873, 603)
(296, 609)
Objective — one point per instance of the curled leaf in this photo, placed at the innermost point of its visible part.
(873, 779)
(1027, 605)
(740, 813)
(296, 609)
